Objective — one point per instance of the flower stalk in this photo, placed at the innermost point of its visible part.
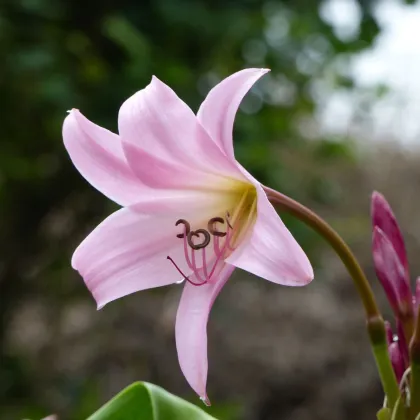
(374, 321)
(415, 370)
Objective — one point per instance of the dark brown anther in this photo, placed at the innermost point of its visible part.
(212, 229)
(187, 227)
(206, 238)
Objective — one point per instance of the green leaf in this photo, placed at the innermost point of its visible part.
(144, 401)
(399, 412)
(384, 414)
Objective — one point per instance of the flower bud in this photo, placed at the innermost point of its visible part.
(389, 333)
(383, 218)
(396, 360)
(391, 274)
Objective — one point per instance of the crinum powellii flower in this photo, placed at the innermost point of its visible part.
(191, 213)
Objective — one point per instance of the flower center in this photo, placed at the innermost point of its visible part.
(220, 239)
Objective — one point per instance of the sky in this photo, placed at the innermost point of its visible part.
(393, 60)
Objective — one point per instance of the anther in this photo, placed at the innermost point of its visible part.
(211, 228)
(187, 228)
(206, 238)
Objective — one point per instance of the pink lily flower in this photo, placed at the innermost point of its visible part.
(191, 213)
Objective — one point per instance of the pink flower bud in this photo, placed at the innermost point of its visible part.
(391, 274)
(403, 344)
(389, 333)
(396, 360)
(383, 218)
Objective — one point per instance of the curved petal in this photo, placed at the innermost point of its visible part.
(191, 329)
(97, 154)
(270, 251)
(157, 122)
(217, 112)
(128, 251)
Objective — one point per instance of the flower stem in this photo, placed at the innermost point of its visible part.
(374, 320)
(415, 370)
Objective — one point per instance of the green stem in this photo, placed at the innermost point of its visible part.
(415, 370)
(415, 390)
(374, 320)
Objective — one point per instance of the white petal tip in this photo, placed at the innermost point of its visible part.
(100, 306)
(205, 401)
(307, 276)
(155, 81)
(309, 279)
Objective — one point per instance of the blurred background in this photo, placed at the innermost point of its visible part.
(336, 118)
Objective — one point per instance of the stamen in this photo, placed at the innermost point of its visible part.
(203, 273)
(216, 243)
(196, 270)
(206, 239)
(225, 246)
(187, 228)
(186, 253)
(203, 254)
(216, 246)
(212, 229)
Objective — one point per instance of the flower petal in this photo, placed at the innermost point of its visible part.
(383, 217)
(98, 155)
(156, 172)
(157, 122)
(391, 273)
(191, 329)
(217, 112)
(270, 251)
(128, 251)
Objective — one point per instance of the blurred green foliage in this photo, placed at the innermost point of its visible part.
(58, 54)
